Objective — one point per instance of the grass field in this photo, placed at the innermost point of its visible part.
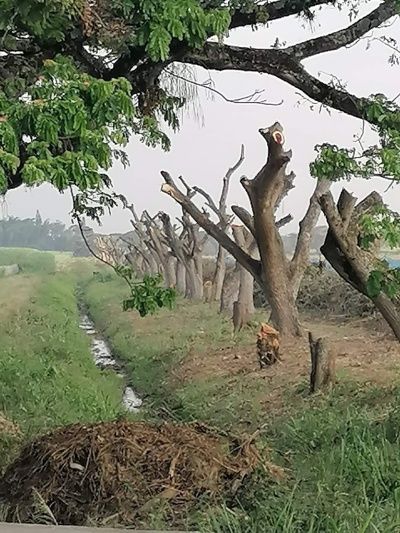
(47, 375)
(340, 451)
(30, 261)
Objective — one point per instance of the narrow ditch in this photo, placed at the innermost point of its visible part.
(104, 359)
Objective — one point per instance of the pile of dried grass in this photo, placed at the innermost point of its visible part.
(123, 470)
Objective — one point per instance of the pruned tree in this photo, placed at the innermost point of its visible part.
(277, 276)
(111, 248)
(224, 220)
(322, 375)
(159, 245)
(355, 263)
(243, 307)
(188, 249)
(67, 111)
(143, 246)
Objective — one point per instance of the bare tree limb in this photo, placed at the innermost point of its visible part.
(212, 229)
(306, 226)
(245, 217)
(272, 11)
(284, 221)
(281, 65)
(345, 37)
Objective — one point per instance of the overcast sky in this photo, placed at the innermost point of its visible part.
(203, 150)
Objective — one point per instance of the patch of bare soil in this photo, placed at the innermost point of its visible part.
(7, 427)
(364, 351)
(122, 471)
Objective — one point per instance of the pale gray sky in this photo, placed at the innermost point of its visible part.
(202, 153)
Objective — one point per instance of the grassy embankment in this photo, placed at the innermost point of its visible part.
(47, 375)
(341, 451)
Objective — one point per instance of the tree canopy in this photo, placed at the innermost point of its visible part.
(80, 76)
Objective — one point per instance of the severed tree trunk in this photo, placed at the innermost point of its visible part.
(322, 364)
(180, 277)
(230, 290)
(342, 250)
(219, 274)
(170, 271)
(188, 249)
(243, 308)
(278, 277)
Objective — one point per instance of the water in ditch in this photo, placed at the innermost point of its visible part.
(104, 359)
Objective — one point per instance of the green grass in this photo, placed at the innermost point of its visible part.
(159, 344)
(344, 473)
(341, 452)
(31, 261)
(47, 375)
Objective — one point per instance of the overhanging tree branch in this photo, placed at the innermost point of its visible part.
(349, 35)
(272, 11)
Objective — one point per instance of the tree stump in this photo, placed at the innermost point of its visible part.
(241, 316)
(267, 346)
(322, 364)
(207, 291)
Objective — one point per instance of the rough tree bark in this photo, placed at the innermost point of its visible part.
(188, 249)
(277, 276)
(144, 246)
(180, 277)
(342, 250)
(158, 243)
(322, 373)
(230, 290)
(243, 307)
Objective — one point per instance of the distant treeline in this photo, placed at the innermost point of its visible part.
(37, 233)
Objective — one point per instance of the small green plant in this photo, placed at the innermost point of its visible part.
(147, 295)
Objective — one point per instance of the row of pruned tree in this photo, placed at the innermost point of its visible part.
(176, 250)
(264, 257)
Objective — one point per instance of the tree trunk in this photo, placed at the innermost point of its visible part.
(194, 285)
(219, 274)
(243, 308)
(180, 277)
(246, 291)
(322, 365)
(198, 265)
(389, 311)
(353, 263)
(230, 291)
(170, 272)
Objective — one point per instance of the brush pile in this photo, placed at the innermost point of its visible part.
(122, 471)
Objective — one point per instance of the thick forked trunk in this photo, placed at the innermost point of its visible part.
(351, 262)
(180, 277)
(219, 275)
(276, 284)
(279, 278)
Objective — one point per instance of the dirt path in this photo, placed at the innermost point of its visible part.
(362, 355)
